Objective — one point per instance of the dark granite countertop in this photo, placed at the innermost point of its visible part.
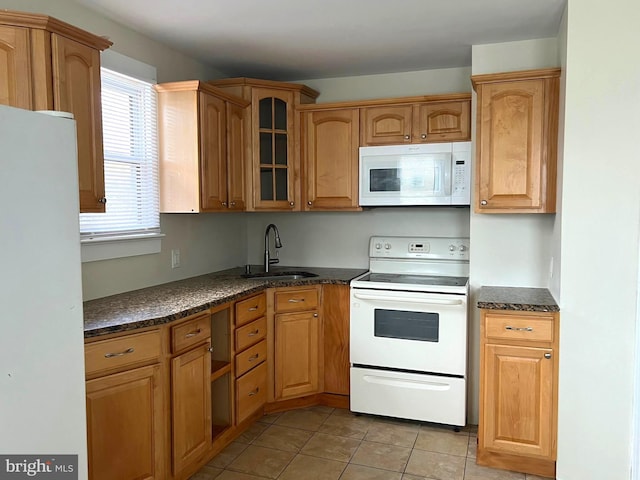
(517, 298)
(164, 303)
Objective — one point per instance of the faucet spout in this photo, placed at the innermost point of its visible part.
(278, 244)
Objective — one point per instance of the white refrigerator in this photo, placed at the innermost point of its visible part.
(42, 393)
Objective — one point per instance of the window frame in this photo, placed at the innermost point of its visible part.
(118, 245)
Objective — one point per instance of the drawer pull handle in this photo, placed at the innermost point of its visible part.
(254, 333)
(253, 309)
(255, 392)
(112, 355)
(296, 300)
(519, 329)
(254, 357)
(195, 333)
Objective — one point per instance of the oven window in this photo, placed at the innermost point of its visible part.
(406, 325)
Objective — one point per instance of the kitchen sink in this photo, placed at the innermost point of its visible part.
(286, 275)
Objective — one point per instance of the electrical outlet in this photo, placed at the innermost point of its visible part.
(175, 258)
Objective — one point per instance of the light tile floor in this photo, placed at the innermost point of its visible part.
(321, 443)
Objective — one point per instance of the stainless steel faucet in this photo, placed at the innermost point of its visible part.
(267, 260)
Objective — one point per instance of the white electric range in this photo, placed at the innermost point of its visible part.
(408, 330)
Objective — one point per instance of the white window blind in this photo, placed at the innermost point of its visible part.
(130, 160)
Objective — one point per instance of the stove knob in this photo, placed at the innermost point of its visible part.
(387, 246)
(463, 248)
(378, 246)
(452, 248)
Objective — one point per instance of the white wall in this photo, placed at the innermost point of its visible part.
(507, 249)
(207, 242)
(365, 87)
(335, 239)
(600, 235)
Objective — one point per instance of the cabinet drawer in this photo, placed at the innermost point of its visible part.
(251, 357)
(117, 353)
(291, 300)
(537, 328)
(190, 333)
(250, 334)
(250, 309)
(251, 392)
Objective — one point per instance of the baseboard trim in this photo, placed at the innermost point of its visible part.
(517, 463)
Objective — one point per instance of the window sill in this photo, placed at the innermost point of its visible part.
(106, 248)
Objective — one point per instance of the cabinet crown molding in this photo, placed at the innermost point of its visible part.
(197, 85)
(53, 25)
(256, 82)
(514, 76)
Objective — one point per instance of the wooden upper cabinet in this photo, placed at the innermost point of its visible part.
(76, 89)
(435, 119)
(387, 125)
(201, 131)
(443, 122)
(272, 140)
(213, 152)
(15, 67)
(46, 64)
(236, 154)
(330, 159)
(516, 141)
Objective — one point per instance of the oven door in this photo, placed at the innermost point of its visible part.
(414, 331)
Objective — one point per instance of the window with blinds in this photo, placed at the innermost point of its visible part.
(130, 160)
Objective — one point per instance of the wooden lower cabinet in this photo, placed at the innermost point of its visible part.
(125, 425)
(251, 392)
(190, 406)
(297, 341)
(518, 391)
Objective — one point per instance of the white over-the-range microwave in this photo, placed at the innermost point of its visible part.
(427, 174)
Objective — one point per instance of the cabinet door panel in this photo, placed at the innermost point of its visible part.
(190, 406)
(236, 156)
(331, 159)
(510, 147)
(125, 425)
(443, 122)
(518, 400)
(297, 339)
(387, 125)
(76, 89)
(15, 67)
(273, 141)
(213, 153)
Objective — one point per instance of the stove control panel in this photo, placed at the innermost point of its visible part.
(454, 248)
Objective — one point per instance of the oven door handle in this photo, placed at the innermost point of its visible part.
(423, 301)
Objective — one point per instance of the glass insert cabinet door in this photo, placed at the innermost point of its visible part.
(273, 152)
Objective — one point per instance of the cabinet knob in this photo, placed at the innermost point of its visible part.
(309, 203)
(291, 204)
(102, 200)
(407, 137)
(315, 315)
(210, 349)
(423, 136)
(547, 356)
(233, 204)
(224, 204)
(483, 202)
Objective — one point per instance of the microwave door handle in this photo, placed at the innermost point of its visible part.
(447, 174)
(422, 301)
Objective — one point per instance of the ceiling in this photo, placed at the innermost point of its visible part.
(303, 39)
